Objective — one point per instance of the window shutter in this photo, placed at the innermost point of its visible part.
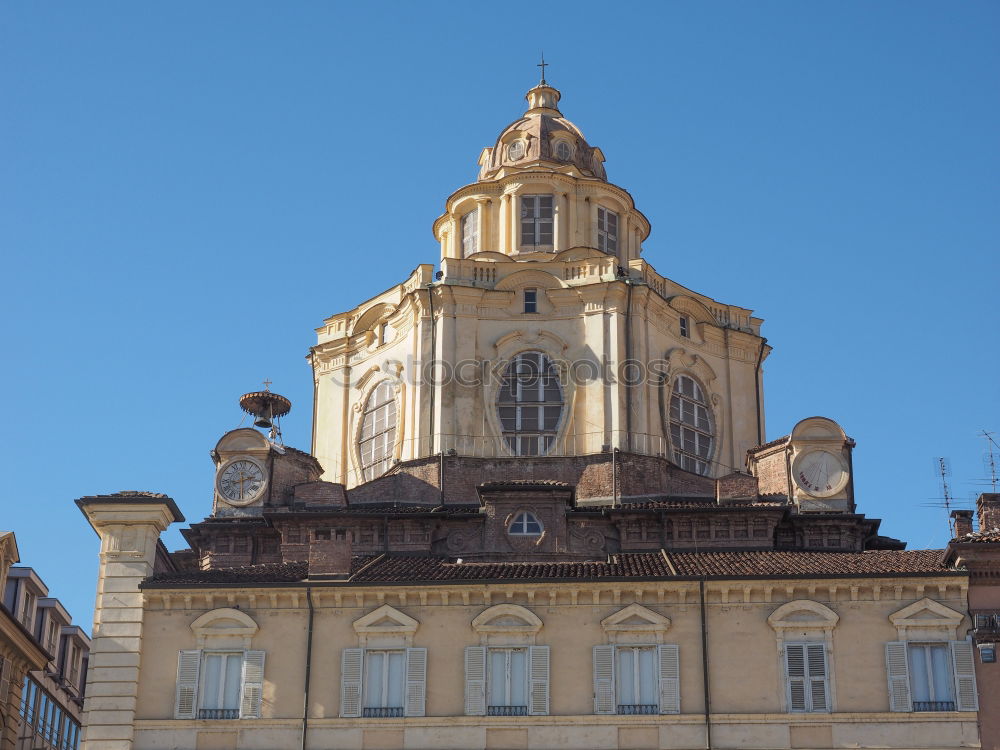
(351, 664)
(186, 703)
(898, 672)
(475, 681)
(965, 676)
(604, 680)
(538, 680)
(253, 684)
(819, 679)
(416, 682)
(668, 659)
(795, 671)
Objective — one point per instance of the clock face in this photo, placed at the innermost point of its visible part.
(819, 473)
(241, 482)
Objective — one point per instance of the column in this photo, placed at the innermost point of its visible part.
(129, 525)
(503, 225)
(562, 222)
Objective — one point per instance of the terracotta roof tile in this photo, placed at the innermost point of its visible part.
(776, 562)
(983, 535)
(420, 569)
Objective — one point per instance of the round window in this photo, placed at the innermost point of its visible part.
(563, 151)
(525, 524)
(515, 150)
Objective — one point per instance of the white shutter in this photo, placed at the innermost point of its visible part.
(965, 675)
(351, 664)
(253, 684)
(795, 672)
(898, 671)
(416, 682)
(538, 680)
(475, 681)
(669, 662)
(186, 702)
(604, 680)
(818, 677)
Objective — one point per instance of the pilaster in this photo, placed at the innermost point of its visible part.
(129, 525)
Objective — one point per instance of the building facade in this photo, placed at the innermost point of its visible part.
(44, 662)
(539, 511)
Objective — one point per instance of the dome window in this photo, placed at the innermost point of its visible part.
(530, 404)
(536, 221)
(607, 231)
(525, 524)
(690, 426)
(515, 151)
(378, 432)
(470, 233)
(563, 151)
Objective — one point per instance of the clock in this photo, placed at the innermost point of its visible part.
(241, 481)
(819, 473)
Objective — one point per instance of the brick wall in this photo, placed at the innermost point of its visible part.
(771, 472)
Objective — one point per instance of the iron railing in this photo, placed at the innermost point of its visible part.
(637, 708)
(382, 712)
(507, 711)
(218, 713)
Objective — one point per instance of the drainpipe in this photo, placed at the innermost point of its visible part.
(704, 668)
(614, 477)
(309, 651)
(756, 383)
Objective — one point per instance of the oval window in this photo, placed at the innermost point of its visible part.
(378, 432)
(690, 426)
(515, 150)
(530, 404)
(525, 524)
(563, 151)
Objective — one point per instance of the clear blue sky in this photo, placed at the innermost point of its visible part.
(189, 188)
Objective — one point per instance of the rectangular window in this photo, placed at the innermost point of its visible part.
(385, 673)
(536, 221)
(685, 331)
(220, 685)
(470, 233)
(636, 680)
(28, 610)
(932, 685)
(531, 300)
(507, 694)
(607, 231)
(807, 676)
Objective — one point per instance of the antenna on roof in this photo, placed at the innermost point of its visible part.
(990, 458)
(944, 469)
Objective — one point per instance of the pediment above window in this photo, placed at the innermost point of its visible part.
(635, 624)
(506, 624)
(224, 628)
(804, 615)
(385, 627)
(927, 620)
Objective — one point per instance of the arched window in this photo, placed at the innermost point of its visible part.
(690, 426)
(525, 524)
(378, 432)
(530, 404)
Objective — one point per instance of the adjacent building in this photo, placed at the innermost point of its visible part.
(539, 511)
(43, 662)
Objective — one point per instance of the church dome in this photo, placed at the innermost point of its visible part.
(542, 138)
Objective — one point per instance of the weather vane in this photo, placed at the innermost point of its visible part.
(542, 65)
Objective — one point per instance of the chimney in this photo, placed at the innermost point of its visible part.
(963, 522)
(988, 505)
(330, 553)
